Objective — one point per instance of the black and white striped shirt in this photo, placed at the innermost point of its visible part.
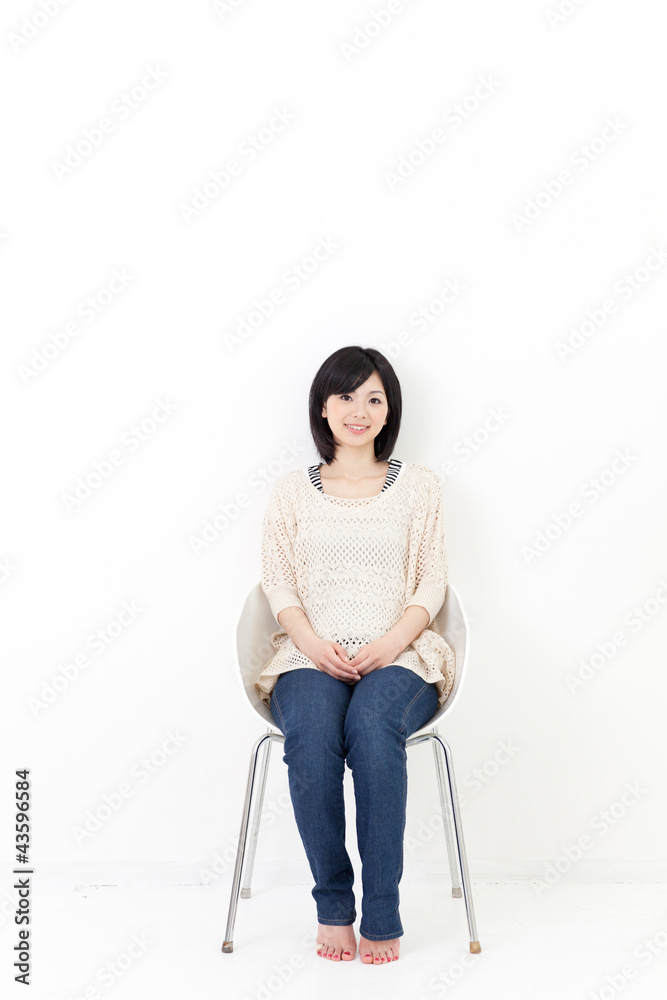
(395, 466)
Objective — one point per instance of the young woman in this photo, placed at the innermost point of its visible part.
(354, 569)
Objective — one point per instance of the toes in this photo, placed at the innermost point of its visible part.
(333, 952)
(381, 955)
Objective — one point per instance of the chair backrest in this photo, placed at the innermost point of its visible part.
(257, 624)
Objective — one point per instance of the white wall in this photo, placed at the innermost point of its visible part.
(236, 418)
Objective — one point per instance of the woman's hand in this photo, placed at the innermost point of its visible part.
(331, 658)
(376, 654)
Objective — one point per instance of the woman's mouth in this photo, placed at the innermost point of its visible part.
(356, 428)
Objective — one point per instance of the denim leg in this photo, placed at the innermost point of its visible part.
(309, 707)
(386, 707)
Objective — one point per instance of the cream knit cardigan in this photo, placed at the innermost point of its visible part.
(353, 566)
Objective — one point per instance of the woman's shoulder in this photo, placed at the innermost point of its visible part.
(286, 485)
(426, 475)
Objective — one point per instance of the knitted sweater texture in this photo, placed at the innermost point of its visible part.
(354, 566)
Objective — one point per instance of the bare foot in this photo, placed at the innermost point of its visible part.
(336, 943)
(378, 952)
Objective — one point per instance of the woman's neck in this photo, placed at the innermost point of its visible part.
(354, 467)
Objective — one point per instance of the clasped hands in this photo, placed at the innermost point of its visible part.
(332, 658)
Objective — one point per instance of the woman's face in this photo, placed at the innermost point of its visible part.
(365, 407)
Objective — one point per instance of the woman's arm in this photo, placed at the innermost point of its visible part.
(295, 622)
(327, 655)
(280, 587)
(431, 575)
(278, 575)
(414, 621)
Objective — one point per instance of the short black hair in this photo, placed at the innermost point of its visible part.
(343, 371)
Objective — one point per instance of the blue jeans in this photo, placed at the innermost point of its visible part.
(324, 721)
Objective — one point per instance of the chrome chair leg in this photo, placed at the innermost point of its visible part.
(228, 943)
(446, 819)
(257, 815)
(475, 946)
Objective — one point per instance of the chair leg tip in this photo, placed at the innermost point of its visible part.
(457, 893)
(245, 893)
(475, 947)
(228, 946)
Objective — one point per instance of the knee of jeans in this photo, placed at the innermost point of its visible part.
(316, 745)
(370, 726)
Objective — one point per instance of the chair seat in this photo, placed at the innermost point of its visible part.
(257, 624)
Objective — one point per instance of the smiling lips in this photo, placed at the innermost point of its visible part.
(357, 428)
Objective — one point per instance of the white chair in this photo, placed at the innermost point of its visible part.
(254, 648)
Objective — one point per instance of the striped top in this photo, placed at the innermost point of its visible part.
(393, 472)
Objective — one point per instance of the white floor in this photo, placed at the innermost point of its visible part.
(579, 940)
